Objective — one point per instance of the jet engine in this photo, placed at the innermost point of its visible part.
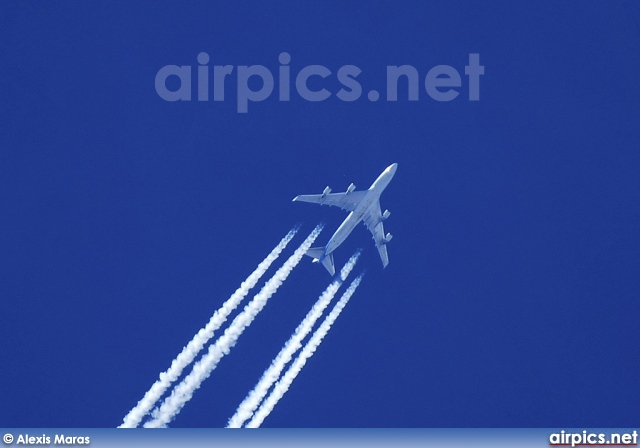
(386, 214)
(387, 238)
(351, 188)
(326, 191)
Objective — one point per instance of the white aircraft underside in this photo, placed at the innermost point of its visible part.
(364, 206)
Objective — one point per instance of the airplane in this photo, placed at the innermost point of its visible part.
(363, 205)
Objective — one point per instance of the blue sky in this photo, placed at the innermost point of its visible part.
(511, 298)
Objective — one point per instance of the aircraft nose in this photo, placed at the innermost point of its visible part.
(392, 168)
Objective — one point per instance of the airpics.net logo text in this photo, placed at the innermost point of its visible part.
(255, 83)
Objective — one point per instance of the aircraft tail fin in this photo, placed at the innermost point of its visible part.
(317, 253)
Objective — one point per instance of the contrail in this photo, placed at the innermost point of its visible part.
(203, 368)
(190, 351)
(282, 386)
(251, 402)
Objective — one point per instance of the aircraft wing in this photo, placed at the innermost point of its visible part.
(373, 221)
(346, 201)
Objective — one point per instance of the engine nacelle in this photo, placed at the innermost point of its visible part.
(326, 191)
(386, 214)
(387, 238)
(350, 188)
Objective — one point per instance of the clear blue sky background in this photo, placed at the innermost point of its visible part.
(512, 294)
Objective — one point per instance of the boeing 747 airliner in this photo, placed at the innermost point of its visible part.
(363, 206)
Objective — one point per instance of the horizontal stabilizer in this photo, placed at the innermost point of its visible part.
(327, 262)
(317, 253)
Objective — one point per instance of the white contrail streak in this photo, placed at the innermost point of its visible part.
(203, 368)
(190, 351)
(282, 386)
(253, 399)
